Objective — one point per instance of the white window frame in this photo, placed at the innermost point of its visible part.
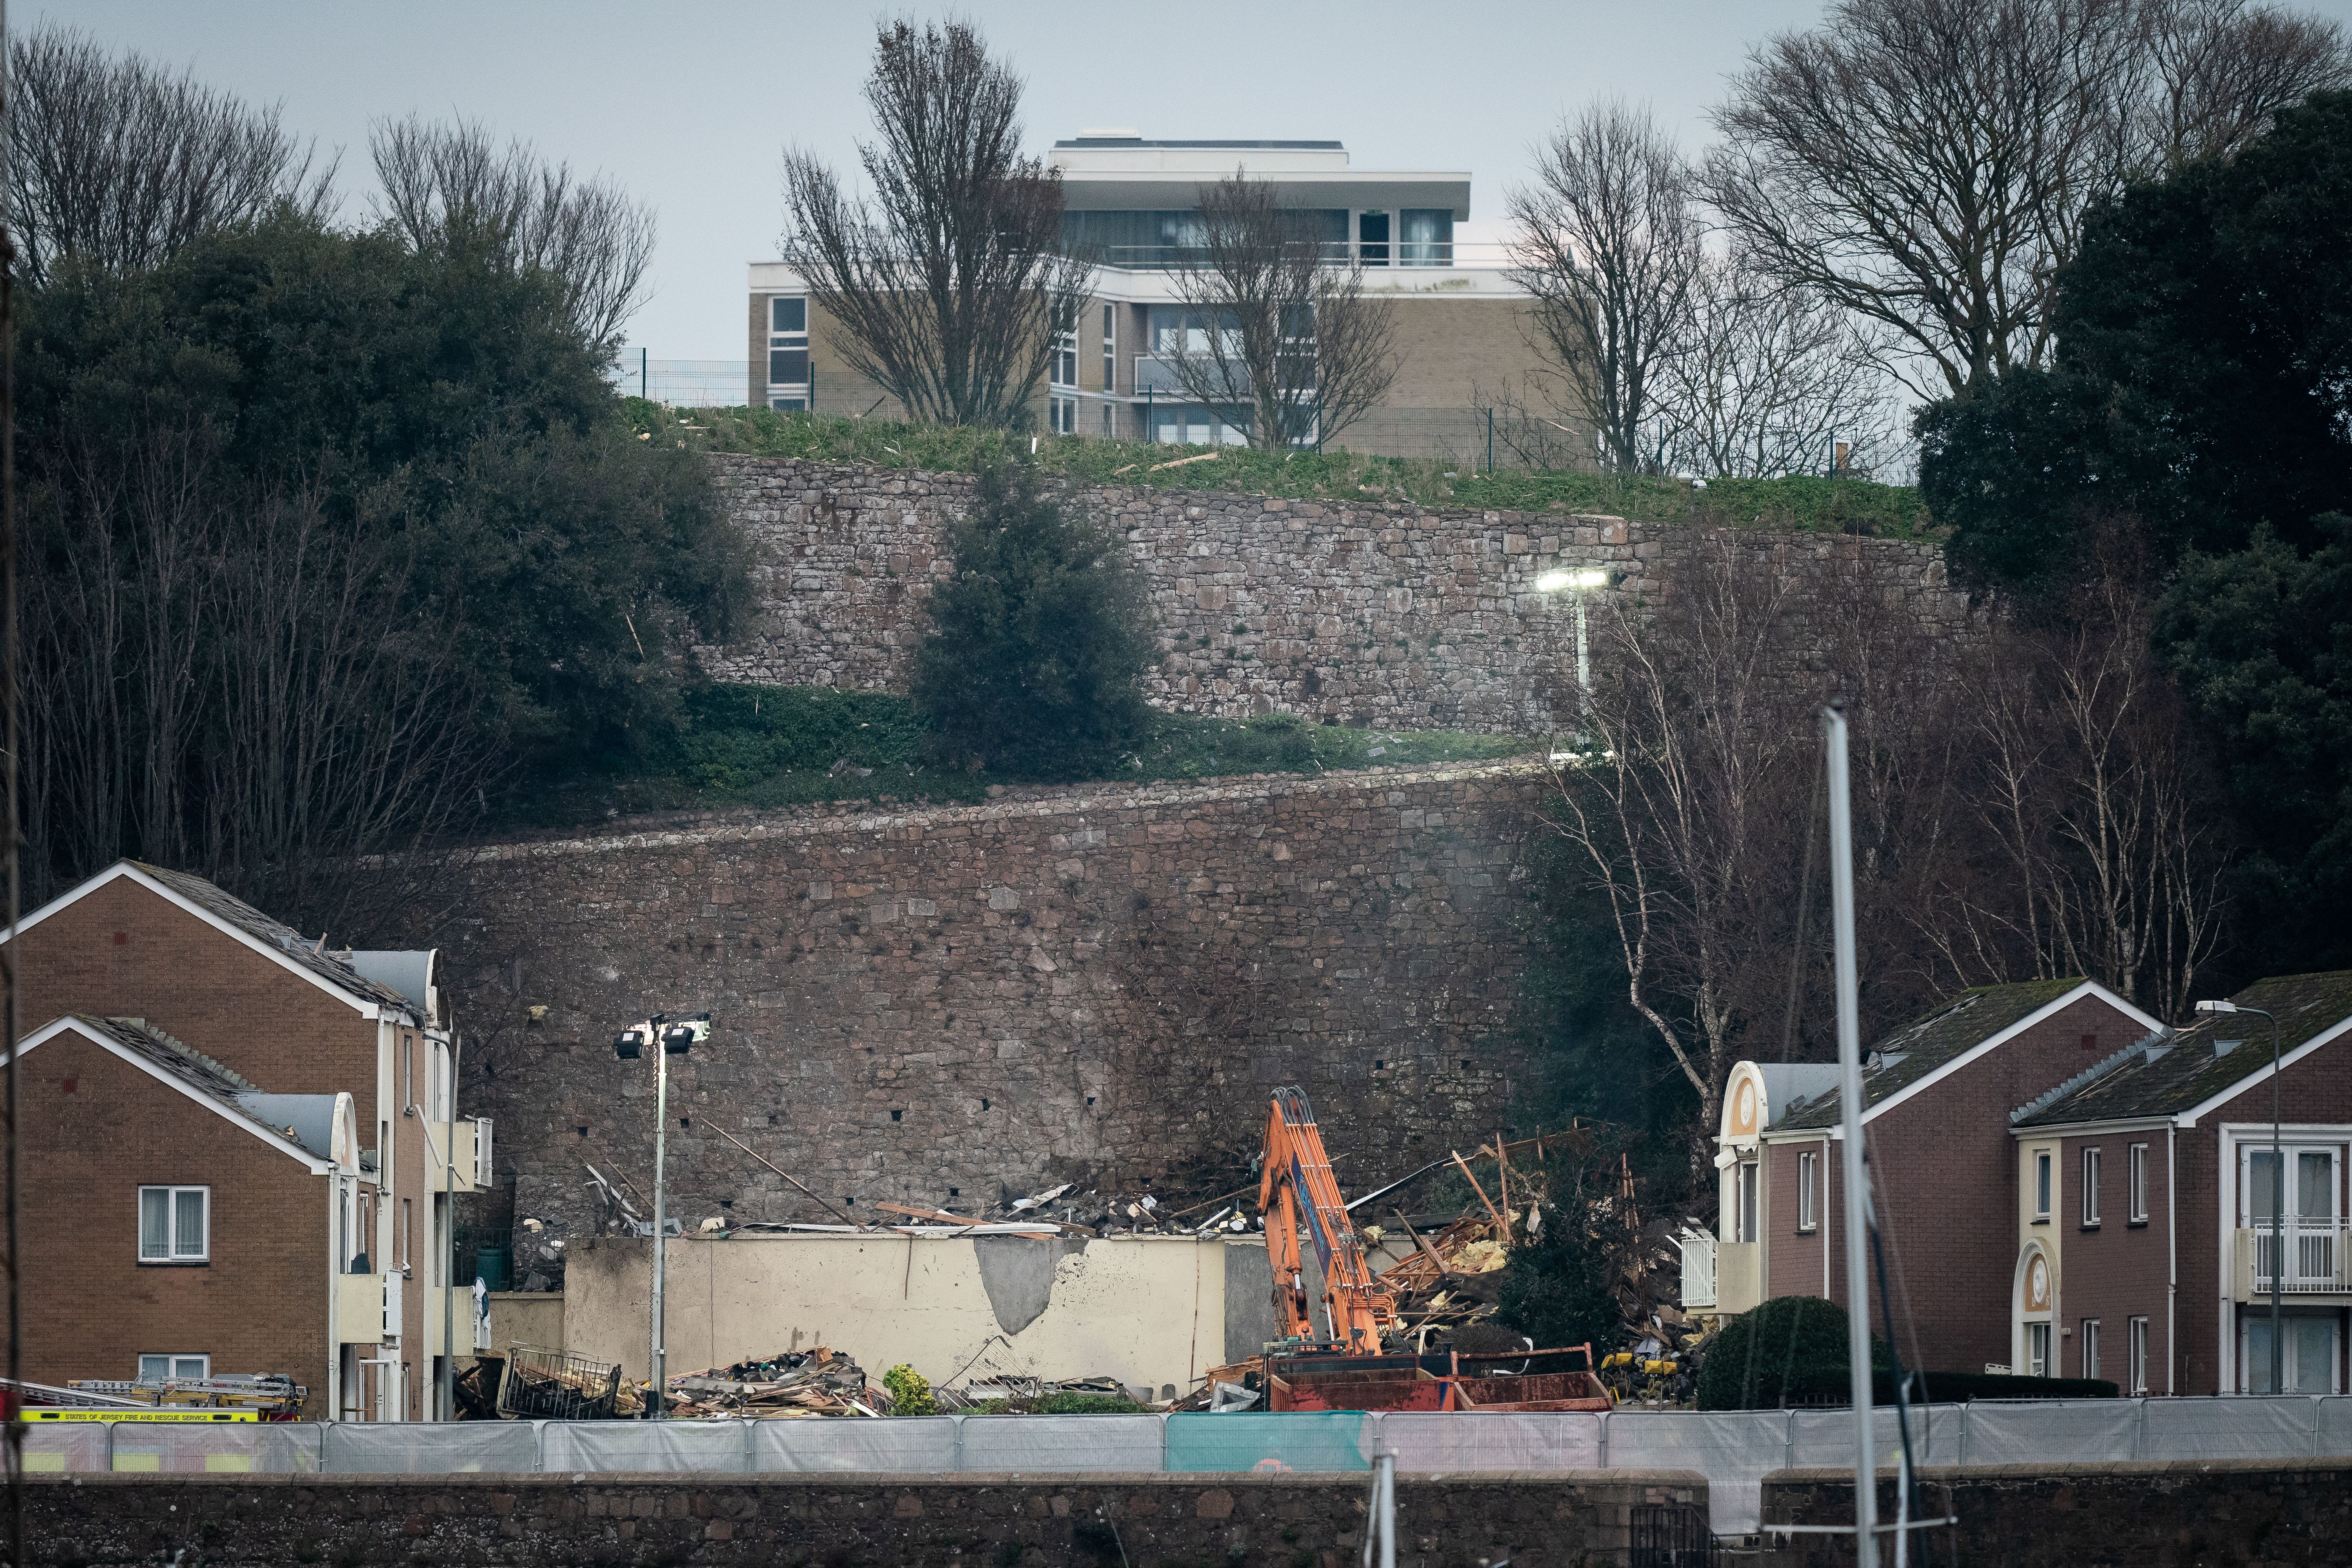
(2138, 1183)
(1808, 1172)
(1110, 352)
(2251, 1366)
(2037, 1350)
(1746, 1182)
(2091, 1188)
(2135, 1366)
(2090, 1330)
(176, 1251)
(174, 1367)
(2045, 1173)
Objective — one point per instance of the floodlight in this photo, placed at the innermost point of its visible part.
(629, 1044)
(2217, 1006)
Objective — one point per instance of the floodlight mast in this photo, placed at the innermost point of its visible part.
(1581, 581)
(2278, 1197)
(676, 1037)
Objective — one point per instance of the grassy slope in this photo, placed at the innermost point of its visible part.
(780, 745)
(1827, 505)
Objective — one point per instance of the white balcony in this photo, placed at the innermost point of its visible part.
(472, 1148)
(1738, 1276)
(2315, 1256)
(1699, 1268)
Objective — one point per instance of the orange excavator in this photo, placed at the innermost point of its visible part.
(1359, 1359)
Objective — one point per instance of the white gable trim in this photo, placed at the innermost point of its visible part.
(2188, 1118)
(366, 1008)
(284, 1145)
(2049, 1010)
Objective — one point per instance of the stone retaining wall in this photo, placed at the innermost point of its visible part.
(2190, 1513)
(933, 1006)
(1373, 612)
(874, 1521)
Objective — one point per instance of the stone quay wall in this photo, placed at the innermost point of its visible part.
(1376, 613)
(942, 1006)
(1551, 1520)
(2203, 1513)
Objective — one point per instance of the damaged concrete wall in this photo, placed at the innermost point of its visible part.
(937, 1007)
(1149, 1310)
(1375, 611)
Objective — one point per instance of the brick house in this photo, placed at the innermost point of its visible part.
(180, 1221)
(276, 1015)
(2114, 1278)
(1938, 1093)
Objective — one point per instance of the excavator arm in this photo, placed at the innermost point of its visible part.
(1296, 1192)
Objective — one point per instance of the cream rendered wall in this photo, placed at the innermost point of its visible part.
(1146, 1310)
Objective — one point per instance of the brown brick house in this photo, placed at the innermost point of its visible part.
(1937, 1094)
(272, 1008)
(179, 1221)
(2112, 1277)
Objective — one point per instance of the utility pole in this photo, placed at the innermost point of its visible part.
(1857, 1198)
(674, 1038)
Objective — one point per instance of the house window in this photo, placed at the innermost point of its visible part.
(787, 352)
(1808, 1166)
(2037, 1350)
(404, 1234)
(407, 1070)
(174, 1367)
(2136, 1179)
(2308, 1360)
(2042, 1183)
(2139, 1354)
(2090, 1347)
(1427, 236)
(175, 1225)
(1745, 1201)
(2090, 1190)
(1111, 358)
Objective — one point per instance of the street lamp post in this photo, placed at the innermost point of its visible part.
(676, 1038)
(1581, 582)
(2278, 1196)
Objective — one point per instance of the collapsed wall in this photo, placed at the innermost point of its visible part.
(1373, 612)
(935, 1006)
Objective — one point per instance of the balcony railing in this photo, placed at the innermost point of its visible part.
(1335, 253)
(1699, 1268)
(2315, 1258)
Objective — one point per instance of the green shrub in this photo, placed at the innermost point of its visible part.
(1557, 1293)
(910, 1392)
(1789, 1350)
(1037, 642)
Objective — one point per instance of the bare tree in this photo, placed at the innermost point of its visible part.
(450, 187)
(115, 161)
(1288, 344)
(1927, 164)
(1607, 247)
(948, 286)
(1766, 380)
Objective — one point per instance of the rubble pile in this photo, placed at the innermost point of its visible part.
(819, 1382)
(1010, 1394)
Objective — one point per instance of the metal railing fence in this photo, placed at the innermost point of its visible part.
(1734, 1449)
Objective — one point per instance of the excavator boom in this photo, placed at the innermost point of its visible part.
(1298, 1192)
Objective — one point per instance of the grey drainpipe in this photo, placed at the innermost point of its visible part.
(2171, 1252)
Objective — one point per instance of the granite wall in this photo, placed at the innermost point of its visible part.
(1374, 612)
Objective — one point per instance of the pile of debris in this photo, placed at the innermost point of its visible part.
(1010, 1394)
(820, 1382)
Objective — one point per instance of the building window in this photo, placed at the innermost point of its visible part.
(404, 1234)
(1110, 357)
(2042, 1183)
(787, 352)
(2139, 1356)
(2308, 1358)
(1108, 429)
(174, 1367)
(2137, 1177)
(2037, 1350)
(1808, 1172)
(2090, 1347)
(175, 1225)
(1427, 238)
(1745, 1201)
(2090, 1189)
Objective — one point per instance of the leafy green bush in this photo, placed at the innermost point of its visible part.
(910, 1392)
(1037, 642)
(1790, 1349)
(1556, 1292)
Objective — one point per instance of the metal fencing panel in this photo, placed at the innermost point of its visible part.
(1076, 1443)
(65, 1446)
(1313, 1440)
(273, 1448)
(1825, 1438)
(1735, 1449)
(1426, 1441)
(622, 1445)
(2051, 1432)
(2280, 1427)
(427, 1447)
(904, 1444)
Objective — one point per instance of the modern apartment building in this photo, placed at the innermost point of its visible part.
(1460, 326)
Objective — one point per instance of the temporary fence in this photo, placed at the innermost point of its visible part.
(1734, 1449)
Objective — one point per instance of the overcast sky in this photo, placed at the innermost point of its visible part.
(689, 106)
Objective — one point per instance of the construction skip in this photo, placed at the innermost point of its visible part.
(1154, 1312)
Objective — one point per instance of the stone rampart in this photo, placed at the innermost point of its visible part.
(1552, 1521)
(933, 1006)
(1373, 612)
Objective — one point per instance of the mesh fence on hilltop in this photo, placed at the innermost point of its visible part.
(1734, 1449)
